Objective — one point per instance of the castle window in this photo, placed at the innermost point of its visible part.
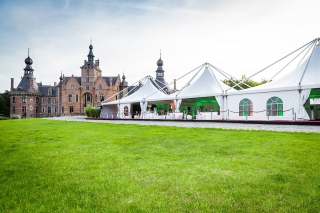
(87, 79)
(37, 110)
(160, 74)
(72, 86)
(100, 86)
(13, 99)
(96, 98)
(43, 100)
(70, 97)
(245, 107)
(87, 87)
(101, 97)
(49, 92)
(13, 109)
(49, 110)
(274, 107)
(49, 100)
(43, 109)
(62, 109)
(37, 100)
(88, 72)
(71, 109)
(77, 98)
(54, 100)
(24, 99)
(24, 109)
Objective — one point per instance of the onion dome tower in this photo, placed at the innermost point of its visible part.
(90, 55)
(28, 69)
(28, 81)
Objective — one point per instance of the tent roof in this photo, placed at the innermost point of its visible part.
(147, 90)
(309, 71)
(206, 85)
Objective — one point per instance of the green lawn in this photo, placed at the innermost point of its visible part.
(58, 166)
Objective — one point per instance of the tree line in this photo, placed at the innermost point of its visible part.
(5, 104)
(247, 83)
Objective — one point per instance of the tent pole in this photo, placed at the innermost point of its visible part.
(226, 75)
(306, 67)
(310, 45)
(223, 75)
(191, 79)
(215, 78)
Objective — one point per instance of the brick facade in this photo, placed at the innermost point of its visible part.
(69, 97)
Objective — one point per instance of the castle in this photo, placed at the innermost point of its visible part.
(72, 94)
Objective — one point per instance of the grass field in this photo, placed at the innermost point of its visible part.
(58, 166)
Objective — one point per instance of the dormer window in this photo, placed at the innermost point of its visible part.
(24, 99)
(72, 86)
(88, 72)
(100, 86)
(49, 92)
(160, 73)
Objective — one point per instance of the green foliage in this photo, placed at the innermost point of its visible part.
(92, 111)
(231, 82)
(59, 166)
(5, 104)
(89, 110)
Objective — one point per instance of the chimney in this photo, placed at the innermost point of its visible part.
(175, 84)
(12, 84)
(55, 84)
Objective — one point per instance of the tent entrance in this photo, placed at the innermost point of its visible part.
(312, 105)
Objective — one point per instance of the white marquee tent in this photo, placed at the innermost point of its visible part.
(281, 99)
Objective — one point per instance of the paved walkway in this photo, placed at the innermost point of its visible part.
(246, 126)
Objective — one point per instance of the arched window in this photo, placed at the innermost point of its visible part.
(245, 107)
(125, 111)
(274, 107)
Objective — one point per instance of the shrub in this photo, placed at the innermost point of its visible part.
(89, 110)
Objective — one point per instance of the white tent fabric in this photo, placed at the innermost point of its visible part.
(287, 87)
(143, 106)
(148, 90)
(302, 113)
(205, 85)
(308, 71)
(177, 103)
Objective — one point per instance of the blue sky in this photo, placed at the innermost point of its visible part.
(239, 37)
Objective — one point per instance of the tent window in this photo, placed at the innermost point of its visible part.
(245, 107)
(274, 107)
(125, 111)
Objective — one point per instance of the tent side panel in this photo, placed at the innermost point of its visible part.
(290, 100)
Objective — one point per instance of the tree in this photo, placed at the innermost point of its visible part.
(246, 82)
(5, 104)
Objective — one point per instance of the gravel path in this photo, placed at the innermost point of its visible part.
(247, 126)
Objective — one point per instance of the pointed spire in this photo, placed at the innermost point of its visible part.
(160, 53)
(28, 52)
